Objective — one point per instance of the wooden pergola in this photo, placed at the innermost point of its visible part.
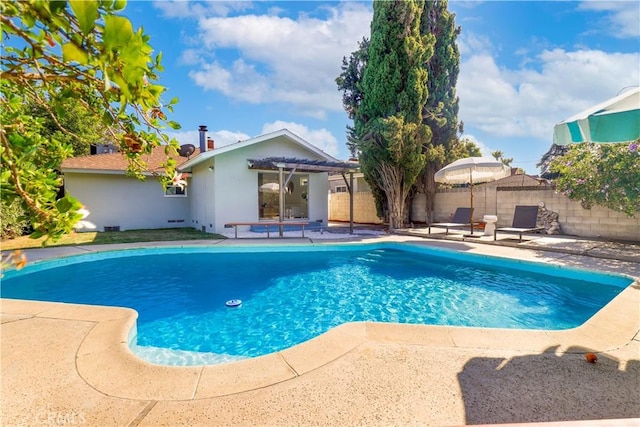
(290, 165)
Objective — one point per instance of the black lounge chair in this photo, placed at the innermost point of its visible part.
(461, 218)
(524, 221)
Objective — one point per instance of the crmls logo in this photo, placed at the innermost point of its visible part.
(56, 418)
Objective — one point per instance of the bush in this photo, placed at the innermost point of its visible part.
(13, 221)
(601, 174)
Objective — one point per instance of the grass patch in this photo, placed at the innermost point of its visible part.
(109, 237)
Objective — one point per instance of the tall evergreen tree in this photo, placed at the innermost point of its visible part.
(440, 113)
(388, 123)
(350, 83)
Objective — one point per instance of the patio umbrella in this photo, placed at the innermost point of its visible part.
(472, 170)
(615, 120)
(270, 187)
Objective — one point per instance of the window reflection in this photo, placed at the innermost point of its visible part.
(296, 196)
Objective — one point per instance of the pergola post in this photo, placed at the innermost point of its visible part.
(281, 199)
(350, 202)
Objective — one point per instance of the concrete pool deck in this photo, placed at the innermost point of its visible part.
(70, 364)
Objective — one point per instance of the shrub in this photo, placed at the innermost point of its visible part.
(13, 221)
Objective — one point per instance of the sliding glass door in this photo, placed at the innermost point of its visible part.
(296, 195)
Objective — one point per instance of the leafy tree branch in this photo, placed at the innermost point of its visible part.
(62, 62)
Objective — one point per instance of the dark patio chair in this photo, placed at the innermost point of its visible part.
(524, 221)
(461, 218)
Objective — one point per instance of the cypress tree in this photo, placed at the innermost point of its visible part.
(388, 124)
(440, 113)
(350, 83)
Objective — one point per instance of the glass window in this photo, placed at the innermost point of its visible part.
(295, 196)
(176, 192)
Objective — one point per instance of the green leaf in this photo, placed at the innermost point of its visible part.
(63, 205)
(117, 31)
(57, 6)
(87, 13)
(72, 53)
(36, 234)
(119, 4)
(174, 125)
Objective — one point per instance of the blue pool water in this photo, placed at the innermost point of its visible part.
(292, 294)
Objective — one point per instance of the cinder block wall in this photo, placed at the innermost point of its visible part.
(501, 201)
(574, 219)
(364, 208)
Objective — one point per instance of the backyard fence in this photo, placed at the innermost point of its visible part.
(501, 201)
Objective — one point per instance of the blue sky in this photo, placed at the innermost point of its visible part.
(248, 68)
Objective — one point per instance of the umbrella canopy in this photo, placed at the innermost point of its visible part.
(615, 120)
(470, 170)
(270, 187)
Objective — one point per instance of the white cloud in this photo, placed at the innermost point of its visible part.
(622, 21)
(529, 101)
(280, 59)
(321, 138)
(485, 150)
(474, 44)
(220, 137)
(193, 9)
(185, 137)
(226, 137)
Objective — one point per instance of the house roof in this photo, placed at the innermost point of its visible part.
(256, 140)
(117, 162)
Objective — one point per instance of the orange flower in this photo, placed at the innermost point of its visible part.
(19, 259)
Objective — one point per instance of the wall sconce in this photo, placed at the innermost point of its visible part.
(210, 168)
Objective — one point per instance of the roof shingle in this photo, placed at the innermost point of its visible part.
(119, 162)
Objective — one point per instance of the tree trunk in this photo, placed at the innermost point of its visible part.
(392, 183)
(430, 191)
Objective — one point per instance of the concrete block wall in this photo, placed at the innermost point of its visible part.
(448, 200)
(575, 220)
(364, 208)
(501, 201)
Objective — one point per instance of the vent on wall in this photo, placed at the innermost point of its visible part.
(111, 228)
(175, 220)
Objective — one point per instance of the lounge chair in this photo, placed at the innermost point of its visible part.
(461, 218)
(524, 221)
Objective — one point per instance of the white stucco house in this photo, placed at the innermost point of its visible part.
(234, 183)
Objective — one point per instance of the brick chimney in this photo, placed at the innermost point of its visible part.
(210, 144)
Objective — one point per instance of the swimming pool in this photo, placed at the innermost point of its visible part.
(293, 293)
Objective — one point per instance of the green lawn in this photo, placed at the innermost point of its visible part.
(130, 236)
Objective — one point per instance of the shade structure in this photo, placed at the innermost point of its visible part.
(615, 120)
(472, 170)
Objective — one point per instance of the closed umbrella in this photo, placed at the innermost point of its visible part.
(472, 170)
(615, 120)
